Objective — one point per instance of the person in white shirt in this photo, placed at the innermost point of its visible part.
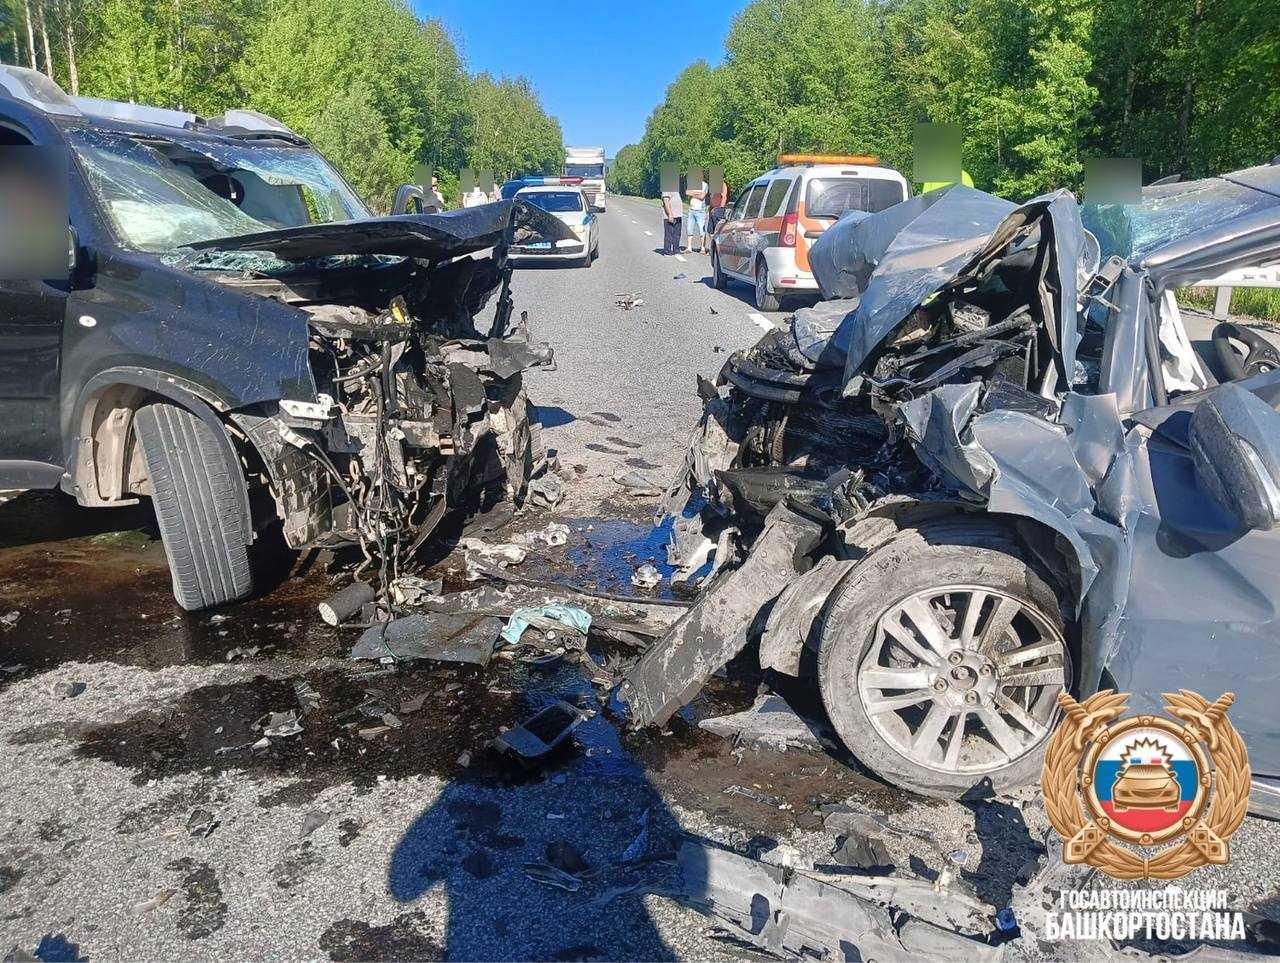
(698, 218)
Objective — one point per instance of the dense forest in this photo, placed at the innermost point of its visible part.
(376, 89)
(1191, 87)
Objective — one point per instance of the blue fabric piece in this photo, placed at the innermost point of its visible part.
(576, 619)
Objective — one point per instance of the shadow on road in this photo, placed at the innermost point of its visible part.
(481, 838)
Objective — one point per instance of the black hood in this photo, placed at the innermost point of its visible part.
(428, 236)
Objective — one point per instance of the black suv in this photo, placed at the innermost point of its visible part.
(237, 338)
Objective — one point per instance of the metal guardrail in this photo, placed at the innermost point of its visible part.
(1259, 277)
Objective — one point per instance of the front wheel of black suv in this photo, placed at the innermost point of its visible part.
(198, 492)
(941, 659)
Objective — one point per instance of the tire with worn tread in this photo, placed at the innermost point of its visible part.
(718, 279)
(199, 500)
(945, 552)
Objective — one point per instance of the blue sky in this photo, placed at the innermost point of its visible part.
(599, 67)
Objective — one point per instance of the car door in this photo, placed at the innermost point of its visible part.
(32, 313)
(1203, 609)
(743, 229)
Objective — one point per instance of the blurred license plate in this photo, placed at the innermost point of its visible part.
(539, 246)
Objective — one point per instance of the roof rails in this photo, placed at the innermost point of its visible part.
(39, 91)
(134, 113)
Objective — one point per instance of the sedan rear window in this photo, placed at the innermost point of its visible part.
(832, 196)
(554, 202)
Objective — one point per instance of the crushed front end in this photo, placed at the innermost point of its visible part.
(416, 413)
(945, 308)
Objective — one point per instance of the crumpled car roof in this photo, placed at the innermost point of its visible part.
(432, 236)
(924, 244)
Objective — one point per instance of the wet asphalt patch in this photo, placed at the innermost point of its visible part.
(347, 941)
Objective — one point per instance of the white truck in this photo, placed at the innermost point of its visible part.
(587, 163)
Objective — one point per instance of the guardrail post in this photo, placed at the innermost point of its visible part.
(1222, 303)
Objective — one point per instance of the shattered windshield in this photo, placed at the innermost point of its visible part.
(1170, 212)
(163, 195)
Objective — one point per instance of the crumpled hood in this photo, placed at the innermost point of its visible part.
(428, 236)
(895, 260)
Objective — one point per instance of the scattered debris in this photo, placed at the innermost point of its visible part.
(412, 704)
(679, 277)
(769, 724)
(637, 483)
(492, 553)
(843, 819)
(563, 856)
(313, 820)
(556, 533)
(10, 619)
(69, 690)
(243, 653)
(794, 914)
(346, 603)
(280, 725)
(464, 760)
(545, 617)
(147, 905)
(639, 846)
(549, 875)
(862, 852)
(627, 301)
(441, 636)
(201, 823)
(308, 698)
(646, 576)
(756, 794)
(529, 742)
(547, 489)
(412, 589)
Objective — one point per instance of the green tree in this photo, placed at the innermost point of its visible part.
(509, 132)
(351, 134)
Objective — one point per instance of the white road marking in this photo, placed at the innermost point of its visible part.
(761, 320)
(648, 233)
(634, 221)
(680, 258)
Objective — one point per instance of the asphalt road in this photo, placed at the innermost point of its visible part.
(138, 822)
(639, 365)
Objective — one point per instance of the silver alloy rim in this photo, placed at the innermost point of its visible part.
(762, 274)
(964, 678)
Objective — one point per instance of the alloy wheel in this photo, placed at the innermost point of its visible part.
(964, 678)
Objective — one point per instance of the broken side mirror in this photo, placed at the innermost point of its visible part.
(406, 196)
(1235, 444)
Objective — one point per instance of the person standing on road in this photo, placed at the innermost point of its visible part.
(716, 205)
(672, 221)
(698, 218)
